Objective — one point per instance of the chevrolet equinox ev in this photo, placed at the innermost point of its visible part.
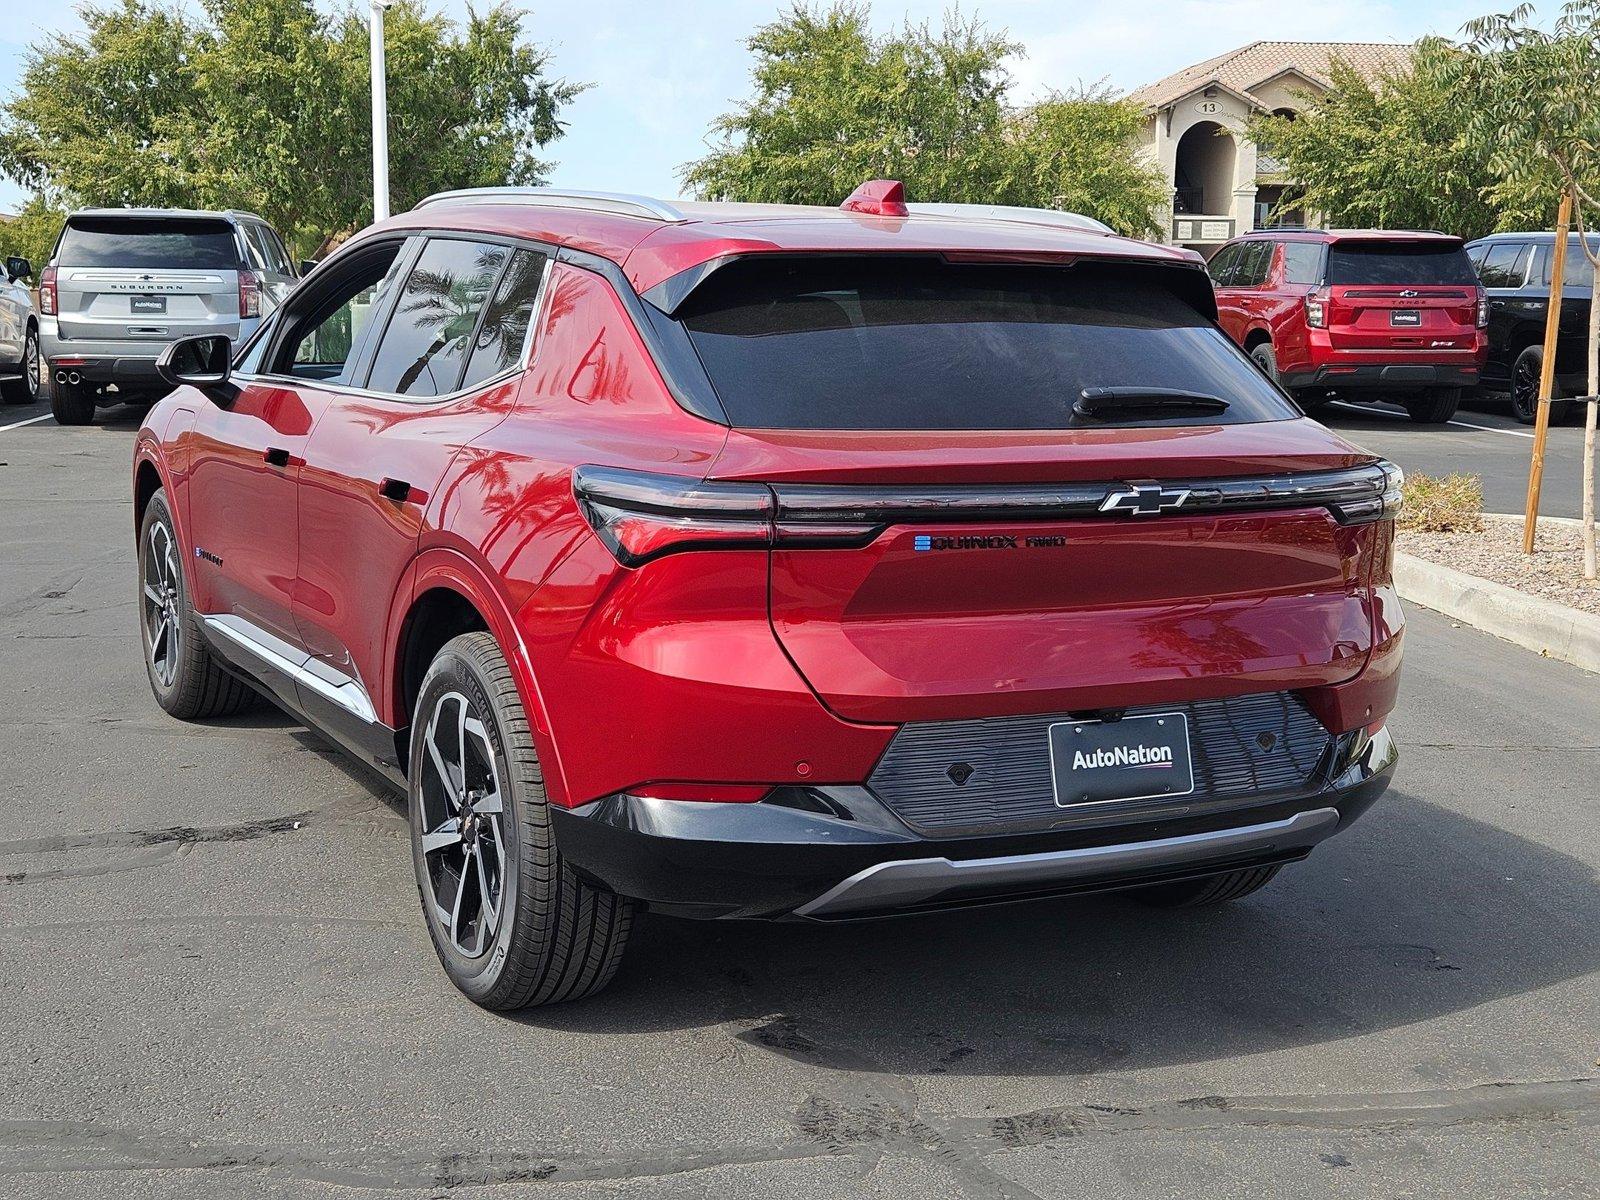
(753, 561)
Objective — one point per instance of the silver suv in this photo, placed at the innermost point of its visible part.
(123, 282)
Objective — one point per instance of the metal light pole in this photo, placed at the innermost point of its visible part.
(380, 116)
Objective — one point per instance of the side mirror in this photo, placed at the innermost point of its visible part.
(18, 268)
(204, 362)
(307, 265)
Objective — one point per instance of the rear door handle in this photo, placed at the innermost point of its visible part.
(275, 456)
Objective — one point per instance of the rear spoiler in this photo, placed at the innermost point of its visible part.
(1186, 277)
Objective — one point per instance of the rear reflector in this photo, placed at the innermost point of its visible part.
(641, 516)
(719, 793)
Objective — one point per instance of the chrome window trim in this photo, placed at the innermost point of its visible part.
(525, 360)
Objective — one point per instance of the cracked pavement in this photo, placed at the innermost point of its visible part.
(214, 980)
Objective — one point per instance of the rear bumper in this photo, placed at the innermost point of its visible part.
(1389, 376)
(840, 853)
(130, 364)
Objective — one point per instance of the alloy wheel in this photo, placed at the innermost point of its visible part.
(30, 364)
(1525, 387)
(163, 635)
(462, 814)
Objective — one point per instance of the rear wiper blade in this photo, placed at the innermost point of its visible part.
(1100, 401)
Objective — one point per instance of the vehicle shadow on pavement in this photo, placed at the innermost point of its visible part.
(1416, 913)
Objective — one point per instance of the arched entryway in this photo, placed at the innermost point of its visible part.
(1203, 178)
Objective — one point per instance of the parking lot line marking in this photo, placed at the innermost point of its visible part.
(1369, 411)
(29, 421)
(1490, 429)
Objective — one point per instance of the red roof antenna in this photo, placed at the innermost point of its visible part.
(878, 198)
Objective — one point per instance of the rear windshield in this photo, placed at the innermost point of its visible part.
(897, 343)
(1399, 262)
(143, 242)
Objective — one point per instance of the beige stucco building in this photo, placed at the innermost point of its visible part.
(1195, 131)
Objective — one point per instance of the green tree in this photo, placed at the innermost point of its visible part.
(265, 104)
(1535, 115)
(32, 232)
(1388, 153)
(835, 104)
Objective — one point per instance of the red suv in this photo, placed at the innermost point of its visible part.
(767, 561)
(1357, 314)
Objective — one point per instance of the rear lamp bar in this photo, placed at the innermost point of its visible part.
(641, 516)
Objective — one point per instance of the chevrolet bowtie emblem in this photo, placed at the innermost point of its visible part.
(1143, 498)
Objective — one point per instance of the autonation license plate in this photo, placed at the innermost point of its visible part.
(1136, 758)
(1405, 316)
(147, 304)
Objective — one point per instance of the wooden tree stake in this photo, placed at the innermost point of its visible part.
(1547, 373)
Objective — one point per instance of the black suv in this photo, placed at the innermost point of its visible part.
(1515, 270)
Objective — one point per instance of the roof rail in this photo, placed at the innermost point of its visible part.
(1013, 213)
(620, 203)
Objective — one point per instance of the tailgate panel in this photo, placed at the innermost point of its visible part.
(986, 619)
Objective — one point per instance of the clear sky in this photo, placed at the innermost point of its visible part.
(663, 69)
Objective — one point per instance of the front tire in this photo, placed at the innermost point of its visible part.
(1435, 406)
(25, 388)
(72, 404)
(1209, 890)
(187, 681)
(511, 922)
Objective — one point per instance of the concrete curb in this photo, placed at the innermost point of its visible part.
(1553, 630)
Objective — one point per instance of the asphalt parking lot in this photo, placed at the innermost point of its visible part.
(214, 980)
(1483, 440)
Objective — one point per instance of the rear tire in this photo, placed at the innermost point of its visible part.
(1267, 359)
(1435, 406)
(512, 923)
(1525, 372)
(72, 404)
(1212, 889)
(187, 681)
(25, 388)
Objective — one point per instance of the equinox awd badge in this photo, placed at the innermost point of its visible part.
(1144, 498)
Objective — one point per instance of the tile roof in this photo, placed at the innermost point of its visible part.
(1247, 66)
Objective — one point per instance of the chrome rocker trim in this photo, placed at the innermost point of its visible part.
(905, 883)
(343, 691)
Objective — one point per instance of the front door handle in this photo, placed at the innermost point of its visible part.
(275, 456)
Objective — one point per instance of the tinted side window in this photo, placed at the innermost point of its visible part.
(1505, 265)
(1254, 264)
(1579, 271)
(325, 325)
(424, 349)
(503, 337)
(1221, 264)
(1302, 262)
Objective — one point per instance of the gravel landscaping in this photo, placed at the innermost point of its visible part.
(1554, 570)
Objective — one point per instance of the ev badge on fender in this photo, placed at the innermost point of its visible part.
(1144, 498)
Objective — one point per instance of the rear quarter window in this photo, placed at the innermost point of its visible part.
(1378, 262)
(135, 243)
(892, 343)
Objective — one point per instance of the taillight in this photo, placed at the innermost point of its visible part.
(1316, 311)
(641, 516)
(47, 292)
(249, 294)
(1483, 309)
